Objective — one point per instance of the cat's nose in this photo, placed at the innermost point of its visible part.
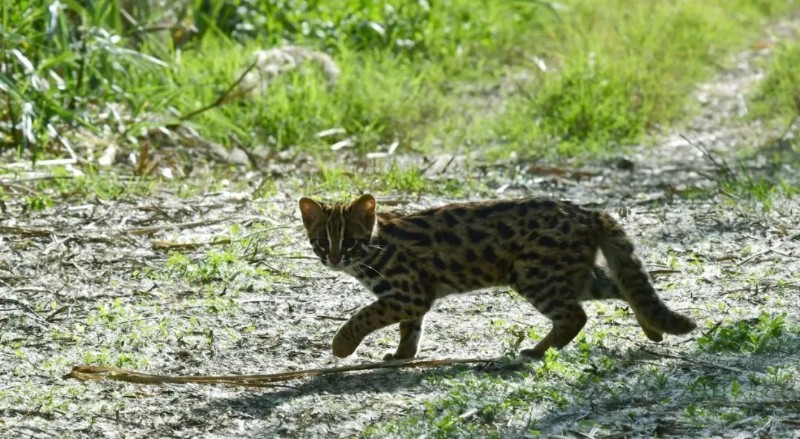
(334, 259)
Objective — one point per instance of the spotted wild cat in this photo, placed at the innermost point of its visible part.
(544, 249)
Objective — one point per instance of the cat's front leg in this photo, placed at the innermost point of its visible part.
(377, 315)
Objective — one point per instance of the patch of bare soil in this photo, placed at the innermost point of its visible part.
(224, 283)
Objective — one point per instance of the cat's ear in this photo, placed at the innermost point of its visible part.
(311, 211)
(365, 205)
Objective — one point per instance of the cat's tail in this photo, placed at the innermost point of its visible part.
(629, 274)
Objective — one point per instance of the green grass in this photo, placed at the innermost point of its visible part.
(615, 78)
(779, 93)
(751, 336)
(594, 383)
(413, 72)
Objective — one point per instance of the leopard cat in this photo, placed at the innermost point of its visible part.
(542, 248)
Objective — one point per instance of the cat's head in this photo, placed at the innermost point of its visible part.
(339, 233)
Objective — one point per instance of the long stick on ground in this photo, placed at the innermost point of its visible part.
(99, 373)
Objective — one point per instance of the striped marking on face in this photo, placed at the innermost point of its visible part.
(335, 230)
(336, 243)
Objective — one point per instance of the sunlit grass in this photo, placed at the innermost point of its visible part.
(525, 76)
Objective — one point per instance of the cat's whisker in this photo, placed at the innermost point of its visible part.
(373, 269)
(360, 270)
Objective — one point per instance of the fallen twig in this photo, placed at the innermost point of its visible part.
(221, 99)
(28, 231)
(663, 271)
(721, 164)
(690, 360)
(180, 226)
(31, 164)
(751, 404)
(162, 244)
(150, 230)
(273, 270)
(769, 250)
(99, 373)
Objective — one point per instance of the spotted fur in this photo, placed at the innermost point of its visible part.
(542, 248)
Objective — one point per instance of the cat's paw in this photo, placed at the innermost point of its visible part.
(395, 356)
(652, 334)
(343, 344)
(532, 354)
(403, 352)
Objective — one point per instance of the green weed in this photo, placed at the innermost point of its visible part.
(408, 180)
(765, 190)
(750, 336)
(778, 95)
(615, 79)
(410, 72)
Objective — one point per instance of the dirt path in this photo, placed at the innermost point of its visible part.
(100, 282)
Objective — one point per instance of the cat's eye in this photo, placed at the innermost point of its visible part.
(322, 242)
(348, 243)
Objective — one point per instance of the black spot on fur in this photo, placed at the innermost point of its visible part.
(512, 278)
(483, 212)
(406, 235)
(505, 231)
(470, 255)
(533, 272)
(476, 235)
(442, 236)
(546, 241)
(548, 261)
(548, 307)
(381, 287)
(419, 222)
(401, 298)
(383, 257)
(450, 219)
(489, 255)
(459, 211)
(394, 271)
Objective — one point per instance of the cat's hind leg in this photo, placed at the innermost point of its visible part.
(410, 335)
(567, 317)
(600, 285)
(557, 295)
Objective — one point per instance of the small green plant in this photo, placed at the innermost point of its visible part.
(38, 202)
(751, 336)
(764, 189)
(408, 180)
(779, 93)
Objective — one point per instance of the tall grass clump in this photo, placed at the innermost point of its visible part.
(779, 94)
(67, 66)
(617, 68)
(558, 77)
